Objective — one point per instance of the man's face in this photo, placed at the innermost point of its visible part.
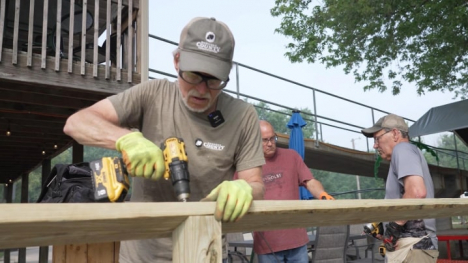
(268, 141)
(384, 143)
(197, 97)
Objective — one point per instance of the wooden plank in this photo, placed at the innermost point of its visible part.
(108, 32)
(58, 36)
(83, 37)
(118, 76)
(96, 39)
(44, 34)
(51, 78)
(142, 49)
(129, 46)
(30, 32)
(71, 30)
(24, 225)
(198, 239)
(2, 25)
(53, 91)
(101, 252)
(43, 99)
(14, 59)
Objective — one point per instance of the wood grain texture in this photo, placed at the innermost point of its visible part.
(101, 253)
(23, 225)
(76, 253)
(198, 239)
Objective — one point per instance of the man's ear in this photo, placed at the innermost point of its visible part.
(396, 134)
(176, 62)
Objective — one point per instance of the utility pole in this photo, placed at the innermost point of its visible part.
(358, 183)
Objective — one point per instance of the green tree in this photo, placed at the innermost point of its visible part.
(279, 119)
(424, 42)
(447, 158)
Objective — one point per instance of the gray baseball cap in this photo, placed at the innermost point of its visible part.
(391, 121)
(207, 46)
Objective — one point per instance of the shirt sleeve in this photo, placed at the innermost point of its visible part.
(250, 152)
(406, 161)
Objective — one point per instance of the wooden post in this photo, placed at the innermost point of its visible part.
(9, 199)
(44, 251)
(24, 199)
(96, 252)
(198, 239)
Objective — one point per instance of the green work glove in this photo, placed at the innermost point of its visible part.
(142, 157)
(233, 200)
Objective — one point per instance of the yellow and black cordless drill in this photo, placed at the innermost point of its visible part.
(176, 162)
(110, 177)
(374, 229)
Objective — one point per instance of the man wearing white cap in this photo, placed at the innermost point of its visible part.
(221, 133)
(408, 177)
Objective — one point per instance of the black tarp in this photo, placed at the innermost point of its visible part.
(448, 117)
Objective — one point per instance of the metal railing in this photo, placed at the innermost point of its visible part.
(319, 120)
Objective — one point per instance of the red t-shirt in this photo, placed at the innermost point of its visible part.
(282, 176)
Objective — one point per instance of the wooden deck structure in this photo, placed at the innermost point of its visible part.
(196, 235)
(48, 72)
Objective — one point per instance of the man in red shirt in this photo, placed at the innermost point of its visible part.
(283, 173)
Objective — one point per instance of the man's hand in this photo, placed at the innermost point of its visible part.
(326, 196)
(142, 157)
(391, 236)
(233, 200)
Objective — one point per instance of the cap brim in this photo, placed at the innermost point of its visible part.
(191, 61)
(369, 132)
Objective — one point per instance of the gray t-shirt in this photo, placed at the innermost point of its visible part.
(407, 160)
(156, 108)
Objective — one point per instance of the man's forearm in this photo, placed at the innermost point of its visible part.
(88, 128)
(315, 187)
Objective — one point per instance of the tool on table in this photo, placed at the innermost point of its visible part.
(382, 250)
(176, 162)
(110, 179)
(374, 229)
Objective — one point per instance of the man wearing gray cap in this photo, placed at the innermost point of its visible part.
(221, 133)
(408, 177)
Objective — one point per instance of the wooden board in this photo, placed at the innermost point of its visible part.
(23, 225)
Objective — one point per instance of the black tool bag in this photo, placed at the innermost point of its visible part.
(68, 183)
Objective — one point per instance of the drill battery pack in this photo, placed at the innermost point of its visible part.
(110, 179)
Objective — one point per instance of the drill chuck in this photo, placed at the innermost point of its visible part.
(373, 229)
(176, 164)
(180, 179)
(369, 228)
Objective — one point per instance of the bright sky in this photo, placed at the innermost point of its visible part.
(258, 46)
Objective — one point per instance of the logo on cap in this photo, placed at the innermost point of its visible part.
(210, 37)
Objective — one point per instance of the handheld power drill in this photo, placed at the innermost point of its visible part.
(176, 162)
(374, 229)
(110, 179)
